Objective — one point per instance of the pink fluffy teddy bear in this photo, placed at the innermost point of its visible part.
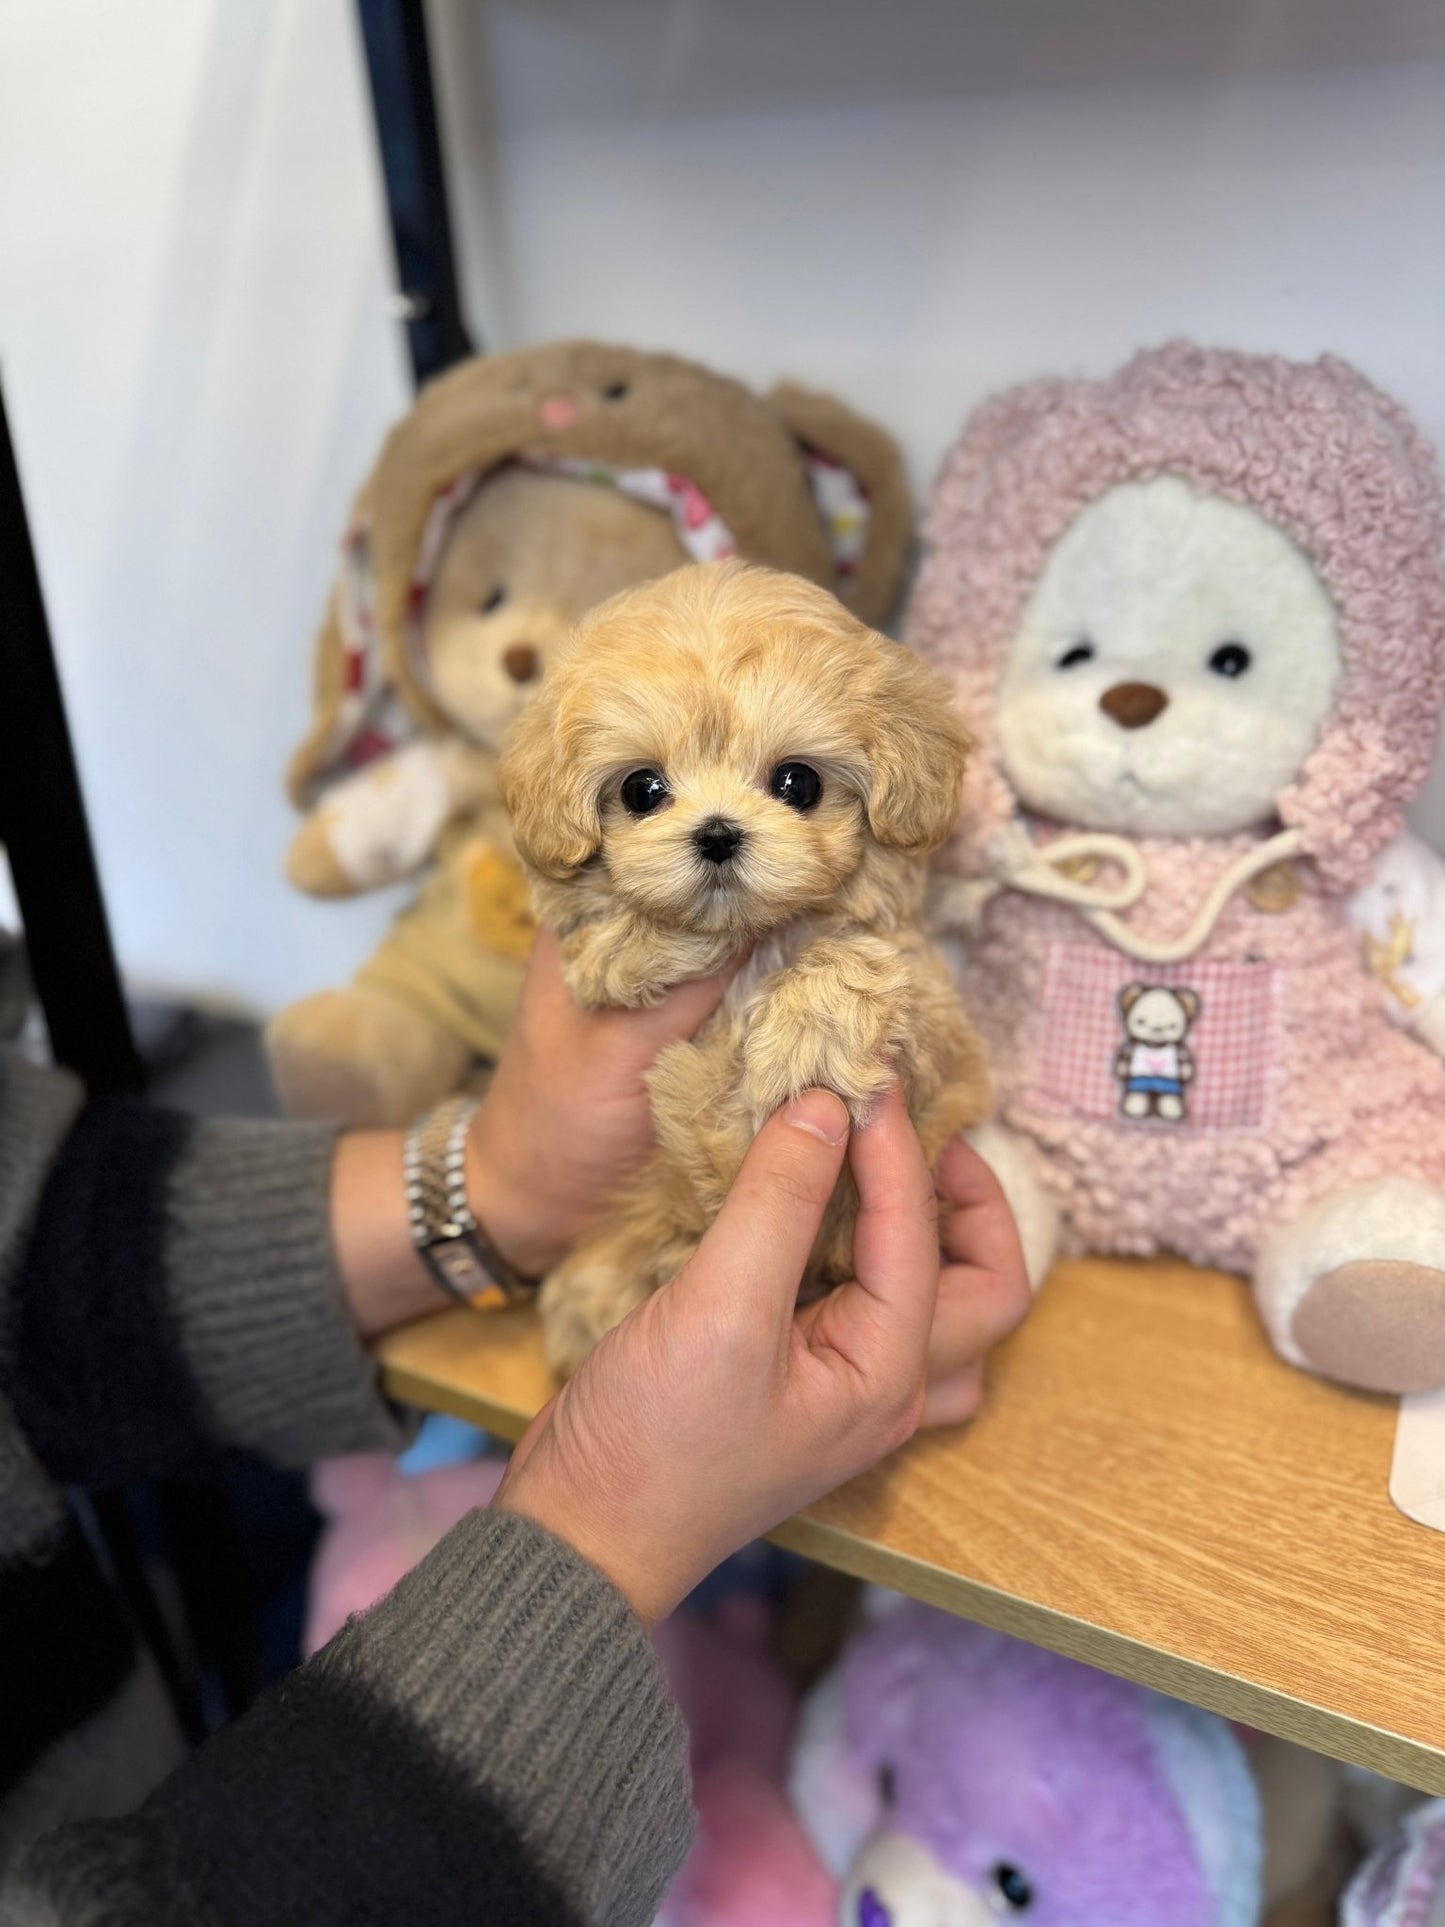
(1196, 617)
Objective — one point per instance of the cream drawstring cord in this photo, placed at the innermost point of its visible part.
(1042, 873)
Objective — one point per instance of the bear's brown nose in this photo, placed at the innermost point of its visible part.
(521, 662)
(1133, 705)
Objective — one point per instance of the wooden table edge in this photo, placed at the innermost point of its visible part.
(1411, 1762)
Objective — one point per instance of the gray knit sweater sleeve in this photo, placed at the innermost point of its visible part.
(491, 1743)
(169, 1288)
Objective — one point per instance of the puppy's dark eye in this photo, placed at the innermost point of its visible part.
(493, 601)
(616, 391)
(797, 784)
(1082, 651)
(644, 791)
(1230, 659)
(1012, 1890)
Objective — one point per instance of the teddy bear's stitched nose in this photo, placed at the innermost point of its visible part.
(522, 662)
(556, 411)
(1133, 705)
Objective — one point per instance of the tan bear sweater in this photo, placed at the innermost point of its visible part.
(493, 1742)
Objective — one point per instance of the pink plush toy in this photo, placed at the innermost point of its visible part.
(751, 1865)
(1196, 617)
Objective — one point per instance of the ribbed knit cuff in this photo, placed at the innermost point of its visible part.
(527, 1670)
(257, 1299)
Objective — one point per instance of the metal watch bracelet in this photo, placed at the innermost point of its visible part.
(444, 1229)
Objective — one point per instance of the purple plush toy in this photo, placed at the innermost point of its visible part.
(952, 1777)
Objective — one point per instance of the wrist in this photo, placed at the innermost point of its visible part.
(651, 1590)
(383, 1279)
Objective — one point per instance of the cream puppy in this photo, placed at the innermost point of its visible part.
(722, 759)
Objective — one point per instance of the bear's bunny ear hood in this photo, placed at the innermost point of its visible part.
(793, 480)
(1314, 448)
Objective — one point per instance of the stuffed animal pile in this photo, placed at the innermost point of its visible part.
(521, 490)
(1195, 614)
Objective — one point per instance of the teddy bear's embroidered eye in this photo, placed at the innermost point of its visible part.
(644, 791)
(1081, 651)
(494, 600)
(1009, 1892)
(615, 391)
(797, 784)
(1230, 659)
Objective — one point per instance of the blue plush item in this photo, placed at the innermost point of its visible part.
(443, 1441)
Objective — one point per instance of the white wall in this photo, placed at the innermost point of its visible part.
(914, 202)
(198, 362)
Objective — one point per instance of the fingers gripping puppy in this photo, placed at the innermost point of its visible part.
(720, 759)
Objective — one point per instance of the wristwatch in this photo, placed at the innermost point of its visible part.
(444, 1228)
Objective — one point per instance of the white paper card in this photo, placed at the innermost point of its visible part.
(1417, 1473)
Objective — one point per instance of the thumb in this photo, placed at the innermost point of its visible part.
(761, 1238)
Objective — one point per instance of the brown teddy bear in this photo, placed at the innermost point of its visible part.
(519, 491)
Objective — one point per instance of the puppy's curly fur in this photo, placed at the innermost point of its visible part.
(710, 682)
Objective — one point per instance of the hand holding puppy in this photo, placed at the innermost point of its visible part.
(716, 1409)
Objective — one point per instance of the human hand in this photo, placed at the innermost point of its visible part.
(718, 1408)
(568, 1116)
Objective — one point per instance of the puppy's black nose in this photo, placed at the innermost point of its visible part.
(717, 839)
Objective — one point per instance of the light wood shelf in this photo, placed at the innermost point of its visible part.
(1147, 1489)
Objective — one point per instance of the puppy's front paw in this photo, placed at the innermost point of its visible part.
(825, 1024)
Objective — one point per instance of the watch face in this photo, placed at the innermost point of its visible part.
(459, 1269)
(461, 1265)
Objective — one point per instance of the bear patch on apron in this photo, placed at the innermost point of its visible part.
(1194, 1046)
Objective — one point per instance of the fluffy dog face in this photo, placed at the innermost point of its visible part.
(728, 748)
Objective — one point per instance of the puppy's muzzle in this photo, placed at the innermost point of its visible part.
(717, 840)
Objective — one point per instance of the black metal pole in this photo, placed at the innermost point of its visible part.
(72, 964)
(43, 826)
(398, 65)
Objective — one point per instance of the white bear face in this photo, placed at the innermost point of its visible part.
(1157, 1015)
(1172, 669)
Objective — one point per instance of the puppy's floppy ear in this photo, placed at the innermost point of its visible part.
(546, 788)
(1190, 1001)
(1129, 996)
(919, 750)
